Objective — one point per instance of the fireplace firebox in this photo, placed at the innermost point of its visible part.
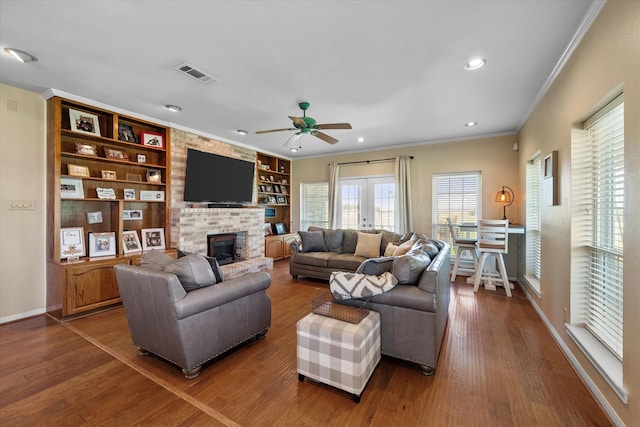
(222, 247)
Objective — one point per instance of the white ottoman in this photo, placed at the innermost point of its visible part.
(338, 353)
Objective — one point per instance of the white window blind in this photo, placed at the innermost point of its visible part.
(456, 196)
(597, 157)
(533, 173)
(314, 205)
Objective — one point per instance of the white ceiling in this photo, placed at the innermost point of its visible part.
(393, 69)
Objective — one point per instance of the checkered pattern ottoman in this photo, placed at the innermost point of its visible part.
(338, 353)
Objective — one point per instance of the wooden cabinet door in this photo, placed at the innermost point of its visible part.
(91, 285)
(273, 247)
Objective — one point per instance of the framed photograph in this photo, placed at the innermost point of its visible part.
(268, 231)
(125, 133)
(280, 228)
(142, 158)
(77, 170)
(152, 238)
(282, 200)
(72, 242)
(269, 212)
(284, 189)
(283, 181)
(151, 139)
(102, 244)
(263, 178)
(108, 174)
(94, 217)
(276, 188)
(272, 200)
(71, 188)
(112, 153)
(133, 177)
(154, 175)
(268, 188)
(271, 178)
(84, 122)
(130, 242)
(129, 193)
(105, 193)
(86, 149)
(151, 195)
(131, 214)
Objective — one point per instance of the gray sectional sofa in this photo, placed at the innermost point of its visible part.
(413, 315)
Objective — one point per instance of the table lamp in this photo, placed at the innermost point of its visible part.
(505, 197)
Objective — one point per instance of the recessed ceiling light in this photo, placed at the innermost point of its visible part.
(173, 108)
(242, 131)
(293, 149)
(474, 64)
(360, 139)
(470, 124)
(20, 55)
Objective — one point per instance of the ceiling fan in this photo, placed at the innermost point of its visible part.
(307, 125)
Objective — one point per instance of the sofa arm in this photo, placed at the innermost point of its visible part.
(436, 271)
(296, 246)
(203, 299)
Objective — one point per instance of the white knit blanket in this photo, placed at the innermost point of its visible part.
(357, 285)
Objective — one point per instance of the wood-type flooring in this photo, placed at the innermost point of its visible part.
(498, 366)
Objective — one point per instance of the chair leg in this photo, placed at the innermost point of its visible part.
(476, 284)
(455, 264)
(503, 273)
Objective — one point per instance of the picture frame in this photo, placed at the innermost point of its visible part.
(129, 194)
(268, 230)
(281, 200)
(280, 228)
(125, 133)
(141, 158)
(102, 244)
(151, 139)
(284, 189)
(112, 153)
(271, 178)
(131, 214)
(152, 195)
(94, 217)
(78, 170)
(153, 238)
(263, 178)
(72, 242)
(106, 174)
(154, 175)
(269, 212)
(86, 149)
(71, 188)
(131, 242)
(133, 177)
(84, 122)
(105, 193)
(272, 200)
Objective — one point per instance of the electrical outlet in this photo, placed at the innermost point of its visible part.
(22, 205)
(565, 315)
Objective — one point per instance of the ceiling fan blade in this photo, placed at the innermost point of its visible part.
(274, 130)
(291, 141)
(325, 137)
(334, 126)
(298, 122)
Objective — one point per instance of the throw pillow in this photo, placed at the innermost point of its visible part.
(333, 240)
(368, 245)
(404, 248)
(193, 271)
(349, 241)
(156, 260)
(408, 268)
(354, 285)
(375, 266)
(390, 249)
(213, 262)
(312, 241)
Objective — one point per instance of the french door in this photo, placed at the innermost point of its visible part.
(367, 203)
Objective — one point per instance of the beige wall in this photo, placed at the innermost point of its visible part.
(494, 157)
(22, 177)
(607, 58)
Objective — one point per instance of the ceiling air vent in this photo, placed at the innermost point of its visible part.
(194, 73)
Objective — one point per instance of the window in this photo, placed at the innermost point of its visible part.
(456, 196)
(314, 206)
(597, 225)
(367, 203)
(532, 273)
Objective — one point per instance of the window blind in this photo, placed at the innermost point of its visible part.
(533, 173)
(456, 196)
(598, 222)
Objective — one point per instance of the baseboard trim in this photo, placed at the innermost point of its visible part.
(574, 362)
(21, 316)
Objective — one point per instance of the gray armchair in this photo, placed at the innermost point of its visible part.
(188, 329)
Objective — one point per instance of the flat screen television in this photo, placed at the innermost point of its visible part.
(218, 179)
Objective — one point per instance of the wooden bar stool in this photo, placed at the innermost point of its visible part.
(462, 245)
(493, 240)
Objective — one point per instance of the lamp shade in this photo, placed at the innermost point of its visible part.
(504, 197)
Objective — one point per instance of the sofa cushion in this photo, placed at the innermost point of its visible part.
(349, 241)
(388, 237)
(213, 262)
(411, 297)
(429, 247)
(156, 260)
(333, 240)
(408, 268)
(312, 241)
(368, 245)
(193, 271)
(347, 262)
(316, 259)
(375, 266)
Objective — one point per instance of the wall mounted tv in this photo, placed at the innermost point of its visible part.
(218, 180)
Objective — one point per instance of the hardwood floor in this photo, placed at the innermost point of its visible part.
(499, 366)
